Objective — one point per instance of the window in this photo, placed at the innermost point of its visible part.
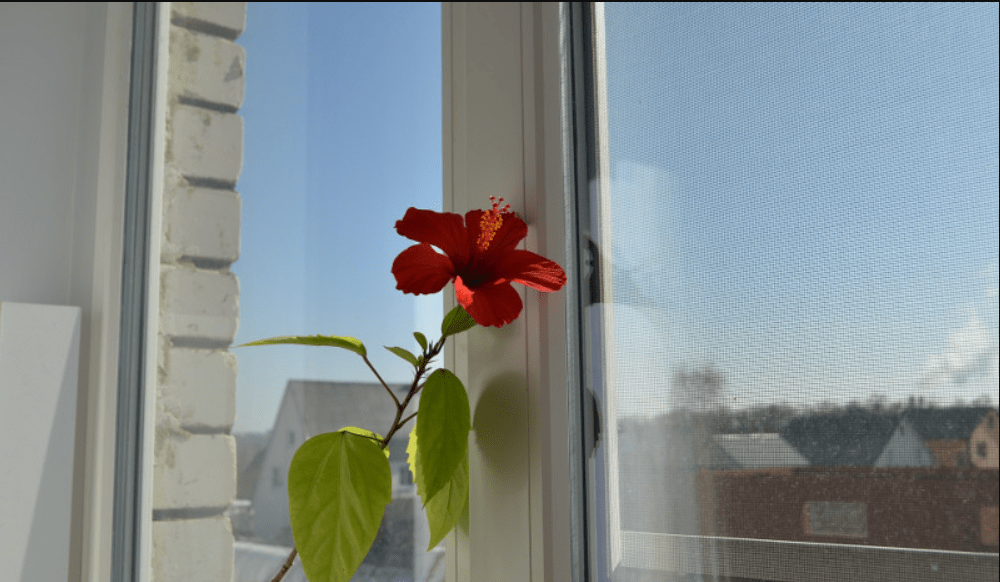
(509, 128)
(341, 135)
(837, 519)
(793, 223)
(505, 90)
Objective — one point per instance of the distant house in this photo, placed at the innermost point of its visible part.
(854, 437)
(309, 408)
(759, 451)
(928, 508)
(949, 434)
(905, 448)
(249, 455)
(984, 444)
(922, 437)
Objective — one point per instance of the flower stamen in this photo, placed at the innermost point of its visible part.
(490, 223)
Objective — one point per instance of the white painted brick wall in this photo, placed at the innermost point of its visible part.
(205, 143)
(230, 16)
(194, 466)
(199, 388)
(193, 471)
(207, 68)
(196, 550)
(199, 304)
(200, 223)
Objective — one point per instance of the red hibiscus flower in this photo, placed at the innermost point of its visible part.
(479, 257)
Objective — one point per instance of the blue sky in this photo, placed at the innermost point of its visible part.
(342, 134)
(804, 196)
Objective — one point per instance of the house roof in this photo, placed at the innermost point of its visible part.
(675, 443)
(851, 438)
(947, 423)
(756, 451)
(330, 406)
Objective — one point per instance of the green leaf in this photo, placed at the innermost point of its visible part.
(421, 339)
(366, 433)
(443, 428)
(445, 509)
(338, 486)
(336, 341)
(457, 321)
(405, 354)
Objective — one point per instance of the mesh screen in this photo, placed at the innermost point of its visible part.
(800, 216)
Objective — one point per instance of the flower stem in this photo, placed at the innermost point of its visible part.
(429, 354)
(407, 419)
(381, 381)
(287, 565)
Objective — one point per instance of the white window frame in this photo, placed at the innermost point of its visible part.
(100, 558)
(102, 301)
(139, 563)
(506, 133)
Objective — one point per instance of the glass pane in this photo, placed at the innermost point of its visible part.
(798, 234)
(342, 134)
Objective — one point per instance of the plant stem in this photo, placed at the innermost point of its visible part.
(428, 354)
(381, 381)
(285, 567)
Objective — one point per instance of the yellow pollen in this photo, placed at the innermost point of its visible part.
(490, 223)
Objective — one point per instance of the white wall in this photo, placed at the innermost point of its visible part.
(63, 96)
(43, 50)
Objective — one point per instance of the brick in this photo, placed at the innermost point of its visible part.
(223, 18)
(201, 223)
(205, 144)
(192, 471)
(199, 388)
(206, 68)
(193, 550)
(198, 304)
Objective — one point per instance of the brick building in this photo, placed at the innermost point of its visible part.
(928, 508)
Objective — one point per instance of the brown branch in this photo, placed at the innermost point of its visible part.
(287, 566)
(407, 419)
(381, 381)
(415, 387)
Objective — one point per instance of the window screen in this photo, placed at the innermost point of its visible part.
(793, 220)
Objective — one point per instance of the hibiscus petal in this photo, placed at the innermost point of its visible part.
(491, 305)
(420, 269)
(472, 229)
(441, 229)
(533, 270)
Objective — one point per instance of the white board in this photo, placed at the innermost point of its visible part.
(39, 364)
